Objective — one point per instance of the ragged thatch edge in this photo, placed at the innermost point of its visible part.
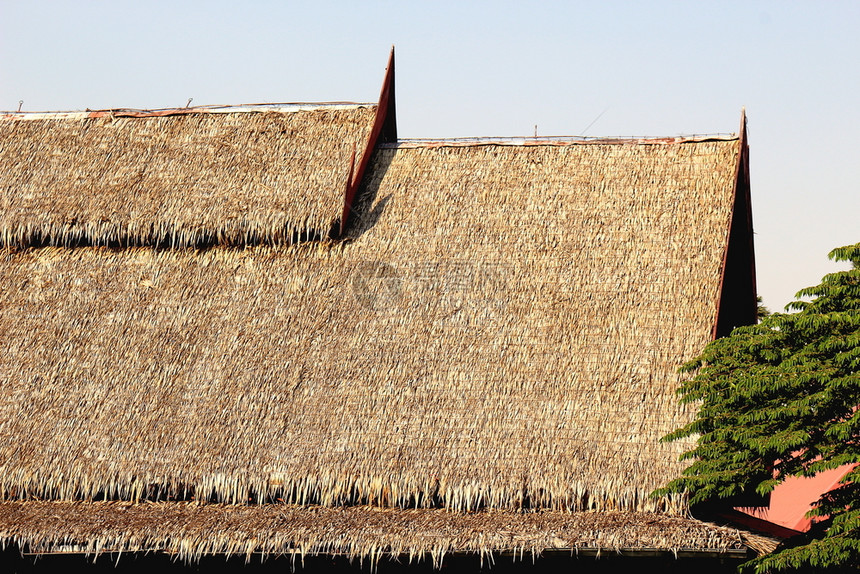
(190, 531)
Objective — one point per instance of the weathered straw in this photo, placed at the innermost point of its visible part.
(192, 531)
(501, 330)
(193, 179)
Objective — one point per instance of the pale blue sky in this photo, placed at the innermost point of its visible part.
(499, 68)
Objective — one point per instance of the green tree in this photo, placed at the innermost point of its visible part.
(761, 310)
(779, 399)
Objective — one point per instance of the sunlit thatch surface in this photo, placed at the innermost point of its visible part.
(191, 530)
(275, 175)
(502, 330)
(536, 303)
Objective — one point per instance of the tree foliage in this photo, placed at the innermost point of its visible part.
(779, 399)
(761, 310)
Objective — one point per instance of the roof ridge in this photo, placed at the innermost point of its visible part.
(555, 140)
(286, 107)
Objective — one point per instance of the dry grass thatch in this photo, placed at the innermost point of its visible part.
(205, 177)
(192, 531)
(502, 329)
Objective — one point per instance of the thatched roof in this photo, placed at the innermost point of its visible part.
(503, 328)
(191, 530)
(237, 175)
(498, 329)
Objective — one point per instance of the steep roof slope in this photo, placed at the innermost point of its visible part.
(552, 292)
(183, 177)
(501, 329)
(217, 329)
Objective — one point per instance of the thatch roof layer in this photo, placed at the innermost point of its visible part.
(192, 530)
(502, 329)
(201, 176)
(559, 289)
